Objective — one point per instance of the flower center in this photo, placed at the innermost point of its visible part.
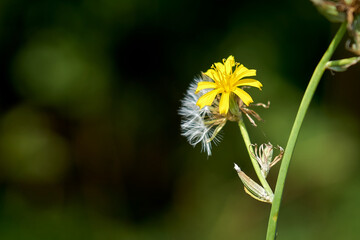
(226, 82)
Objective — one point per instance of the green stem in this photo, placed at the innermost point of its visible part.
(319, 70)
(342, 62)
(255, 164)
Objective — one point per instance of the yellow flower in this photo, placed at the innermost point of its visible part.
(227, 81)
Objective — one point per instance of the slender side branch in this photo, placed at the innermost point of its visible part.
(255, 164)
(319, 70)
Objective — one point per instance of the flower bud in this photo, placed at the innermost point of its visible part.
(353, 44)
(252, 188)
(330, 9)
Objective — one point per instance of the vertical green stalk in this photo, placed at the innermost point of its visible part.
(314, 81)
(255, 164)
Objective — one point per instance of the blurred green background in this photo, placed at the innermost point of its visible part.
(90, 144)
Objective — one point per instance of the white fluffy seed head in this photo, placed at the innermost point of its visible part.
(193, 125)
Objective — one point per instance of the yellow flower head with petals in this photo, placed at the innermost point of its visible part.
(226, 81)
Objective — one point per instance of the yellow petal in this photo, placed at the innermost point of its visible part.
(205, 85)
(241, 72)
(248, 73)
(244, 96)
(229, 63)
(248, 82)
(207, 98)
(211, 73)
(224, 103)
(220, 67)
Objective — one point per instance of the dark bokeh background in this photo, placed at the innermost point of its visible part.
(90, 144)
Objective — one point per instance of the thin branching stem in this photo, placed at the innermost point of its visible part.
(255, 164)
(310, 90)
